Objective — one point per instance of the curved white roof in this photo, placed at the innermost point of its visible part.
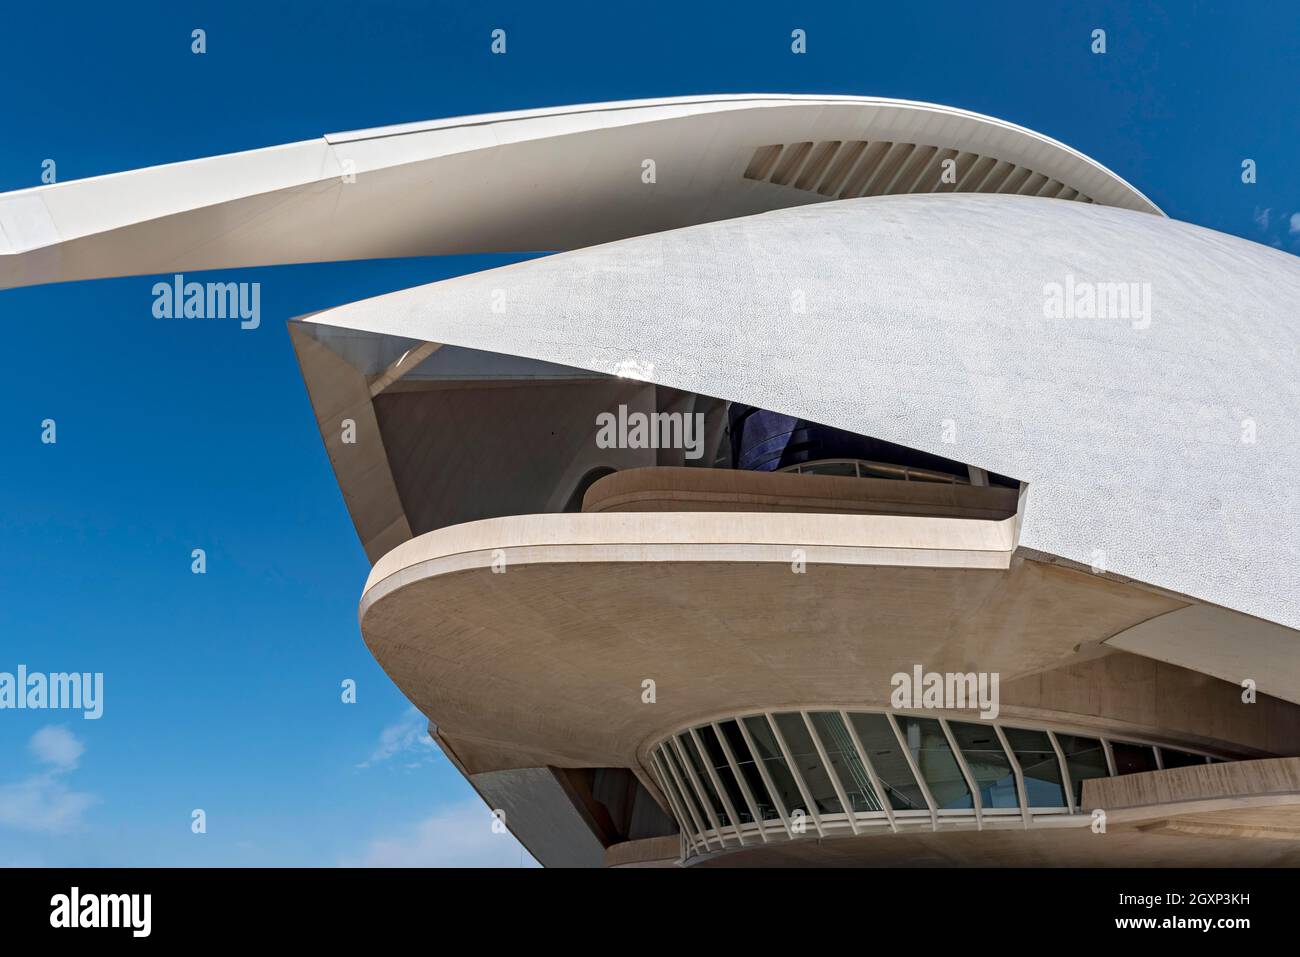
(925, 316)
(558, 178)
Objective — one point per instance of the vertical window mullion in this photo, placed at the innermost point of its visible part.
(717, 784)
(1066, 781)
(687, 795)
(684, 820)
(916, 771)
(699, 788)
(767, 778)
(1110, 758)
(882, 795)
(796, 774)
(831, 773)
(1019, 773)
(975, 801)
(740, 781)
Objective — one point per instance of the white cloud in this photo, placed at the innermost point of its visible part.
(56, 745)
(410, 735)
(43, 802)
(1295, 224)
(459, 835)
(1261, 217)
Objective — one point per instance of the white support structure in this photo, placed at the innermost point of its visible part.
(794, 773)
(754, 811)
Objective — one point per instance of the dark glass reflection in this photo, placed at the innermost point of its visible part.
(684, 782)
(808, 762)
(844, 760)
(718, 759)
(702, 775)
(1179, 759)
(1084, 758)
(988, 764)
(929, 747)
(671, 783)
(1133, 758)
(769, 752)
(715, 773)
(749, 770)
(1039, 766)
(881, 745)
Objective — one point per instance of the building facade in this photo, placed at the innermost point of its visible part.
(860, 481)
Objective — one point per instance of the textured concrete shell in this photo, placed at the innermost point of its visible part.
(548, 179)
(926, 315)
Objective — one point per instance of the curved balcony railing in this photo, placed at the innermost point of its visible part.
(677, 489)
(785, 775)
(861, 468)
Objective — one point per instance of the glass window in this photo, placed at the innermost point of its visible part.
(716, 757)
(988, 764)
(702, 775)
(881, 745)
(769, 752)
(1132, 758)
(684, 780)
(671, 784)
(808, 762)
(1039, 766)
(1084, 759)
(929, 747)
(749, 770)
(845, 762)
(1179, 759)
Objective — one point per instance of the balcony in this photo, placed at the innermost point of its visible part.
(860, 489)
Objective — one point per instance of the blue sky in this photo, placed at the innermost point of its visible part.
(222, 690)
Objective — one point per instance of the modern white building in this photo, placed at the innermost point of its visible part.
(918, 391)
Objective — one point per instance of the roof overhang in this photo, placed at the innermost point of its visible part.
(552, 179)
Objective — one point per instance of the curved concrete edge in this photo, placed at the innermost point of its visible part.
(1222, 643)
(348, 196)
(521, 124)
(338, 391)
(1251, 799)
(611, 537)
(646, 852)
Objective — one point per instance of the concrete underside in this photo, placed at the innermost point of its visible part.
(544, 664)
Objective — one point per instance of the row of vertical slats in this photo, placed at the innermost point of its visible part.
(860, 168)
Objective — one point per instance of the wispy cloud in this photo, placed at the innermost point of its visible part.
(42, 801)
(55, 745)
(1281, 231)
(408, 737)
(460, 835)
